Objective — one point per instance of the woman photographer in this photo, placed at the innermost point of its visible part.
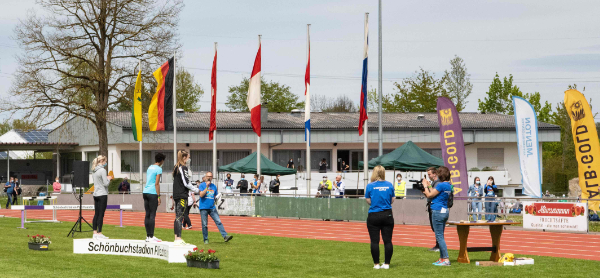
(439, 210)
(101, 182)
(380, 196)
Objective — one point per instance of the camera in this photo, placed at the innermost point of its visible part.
(418, 184)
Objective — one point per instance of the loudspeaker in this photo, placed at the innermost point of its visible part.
(81, 174)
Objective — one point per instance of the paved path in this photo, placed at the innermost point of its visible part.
(566, 245)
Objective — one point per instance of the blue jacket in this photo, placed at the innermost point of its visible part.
(473, 191)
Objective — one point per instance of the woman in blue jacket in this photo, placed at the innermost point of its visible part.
(491, 206)
(439, 210)
(380, 196)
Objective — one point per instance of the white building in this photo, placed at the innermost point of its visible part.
(490, 141)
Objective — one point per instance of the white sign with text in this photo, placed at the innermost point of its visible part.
(568, 217)
(162, 250)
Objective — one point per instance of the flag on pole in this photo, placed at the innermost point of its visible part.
(253, 99)
(136, 115)
(307, 96)
(213, 92)
(529, 147)
(363, 88)
(160, 112)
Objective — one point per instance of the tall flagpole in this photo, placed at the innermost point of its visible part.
(258, 154)
(365, 129)
(174, 108)
(308, 172)
(215, 131)
(141, 159)
(380, 89)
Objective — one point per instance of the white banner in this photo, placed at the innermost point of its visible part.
(528, 145)
(571, 217)
(162, 250)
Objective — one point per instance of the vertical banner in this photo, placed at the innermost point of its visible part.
(587, 147)
(453, 145)
(526, 125)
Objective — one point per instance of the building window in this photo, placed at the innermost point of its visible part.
(282, 157)
(490, 158)
(435, 152)
(228, 157)
(317, 156)
(130, 161)
(519, 192)
(201, 161)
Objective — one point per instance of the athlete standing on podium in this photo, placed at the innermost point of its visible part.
(151, 195)
(181, 189)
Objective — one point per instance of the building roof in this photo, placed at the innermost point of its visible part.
(321, 120)
(34, 136)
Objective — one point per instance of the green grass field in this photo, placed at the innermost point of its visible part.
(247, 256)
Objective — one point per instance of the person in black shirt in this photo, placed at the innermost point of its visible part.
(181, 187)
(242, 185)
(291, 163)
(274, 185)
(124, 187)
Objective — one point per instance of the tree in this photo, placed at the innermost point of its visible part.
(499, 96)
(373, 100)
(544, 113)
(458, 83)
(416, 94)
(19, 124)
(341, 104)
(188, 93)
(277, 97)
(80, 57)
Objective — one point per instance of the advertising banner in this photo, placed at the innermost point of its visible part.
(453, 145)
(526, 125)
(571, 217)
(587, 147)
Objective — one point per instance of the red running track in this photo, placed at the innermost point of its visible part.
(565, 245)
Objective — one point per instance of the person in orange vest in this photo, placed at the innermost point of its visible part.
(400, 187)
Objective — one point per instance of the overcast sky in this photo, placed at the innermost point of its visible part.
(545, 45)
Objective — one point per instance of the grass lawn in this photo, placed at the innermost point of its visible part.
(247, 256)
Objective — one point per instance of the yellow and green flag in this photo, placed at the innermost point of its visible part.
(136, 115)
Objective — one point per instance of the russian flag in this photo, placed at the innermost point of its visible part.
(307, 96)
(363, 88)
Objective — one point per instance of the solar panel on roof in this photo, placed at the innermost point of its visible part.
(35, 136)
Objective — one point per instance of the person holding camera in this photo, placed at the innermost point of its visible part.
(380, 196)
(491, 192)
(101, 182)
(439, 210)
(432, 174)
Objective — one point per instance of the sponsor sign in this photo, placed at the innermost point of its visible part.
(139, 248)
(571, 217)
(453, 145)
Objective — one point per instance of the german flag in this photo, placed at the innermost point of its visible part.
(160, 112)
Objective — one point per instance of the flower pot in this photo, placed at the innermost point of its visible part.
(39, 246)
(199, 264)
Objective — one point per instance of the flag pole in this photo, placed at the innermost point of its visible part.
(174, 107)
(214, 133)
(365, 129)
(141, 159)
(308, 169)
(258, 155)
(380, 87)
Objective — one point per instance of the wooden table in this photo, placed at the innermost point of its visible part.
(463, 236)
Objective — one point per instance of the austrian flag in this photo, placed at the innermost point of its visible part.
(253, 99)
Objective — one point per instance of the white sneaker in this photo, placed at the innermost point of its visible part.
(377, 266)
(154, 239)
(385, 266)
(180, 242)
(101, 236)
(95, 236)
(147, 239)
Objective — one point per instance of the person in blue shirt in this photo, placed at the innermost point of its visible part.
(151, 194)
(10, 189)
(439, 210)
(491, 191)
(208, 193)
(380, 196)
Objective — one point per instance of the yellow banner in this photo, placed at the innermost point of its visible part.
(587, 146)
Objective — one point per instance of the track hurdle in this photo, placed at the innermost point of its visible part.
(25, 208)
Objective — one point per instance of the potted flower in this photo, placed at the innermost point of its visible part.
(39, 242)
(202, 259)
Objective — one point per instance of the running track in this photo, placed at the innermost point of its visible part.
(566, 245)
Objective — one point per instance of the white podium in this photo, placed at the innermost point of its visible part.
(139, 248)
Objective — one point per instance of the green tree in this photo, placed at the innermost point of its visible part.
(499, 96)
(544, 113)
(458, 83)
(373, 100)
(20, 124)
(416, 94)
(278, 97)
(188, 93)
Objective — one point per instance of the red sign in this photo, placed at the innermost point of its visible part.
(29, 177)
(555, 209)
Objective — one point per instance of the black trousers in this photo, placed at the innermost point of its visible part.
(186, 217)
(99, 209)
(381, 222)
(180, 208)
(150, 205)
(15, 198)
(437, 245)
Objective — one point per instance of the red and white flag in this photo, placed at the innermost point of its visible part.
(253, 99)
(213, 92)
